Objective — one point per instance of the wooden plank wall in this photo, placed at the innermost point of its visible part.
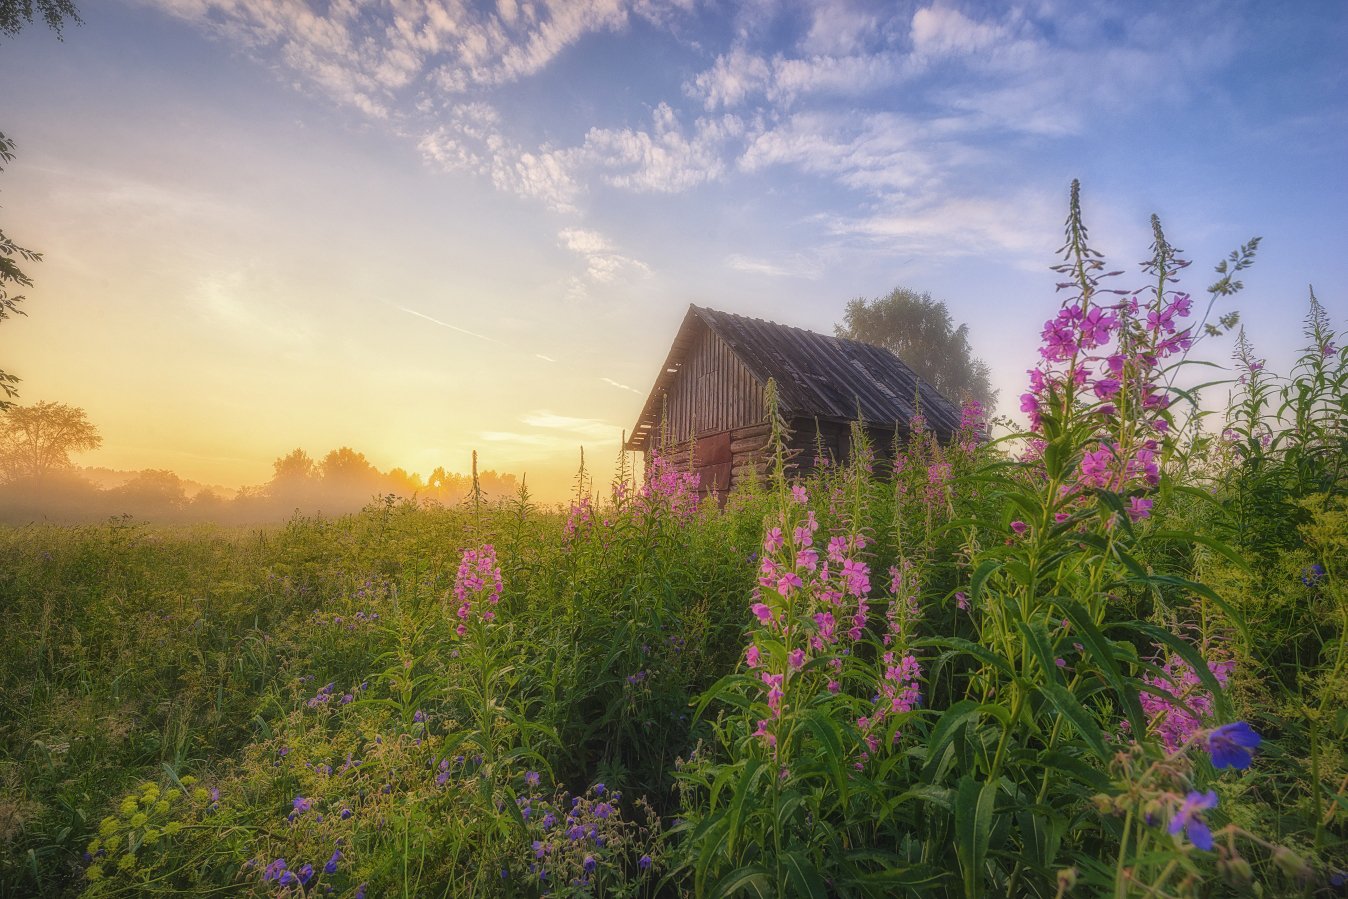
(713, 392)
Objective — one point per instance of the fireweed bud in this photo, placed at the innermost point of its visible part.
(1291, 864)
(1067, 878)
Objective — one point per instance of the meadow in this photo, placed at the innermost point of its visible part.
(1102, 657)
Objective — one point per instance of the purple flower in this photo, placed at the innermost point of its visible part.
(274, 870)
(331, 866)
(1232, 745)
(360, 891)
(302, 804)
(589, 863)
(599, 789)
(419, 717)
(644, 863)
(531, 778)
(603, 810)
(306, 874)
(346, 813)
(1019, 527)
(1188, 820)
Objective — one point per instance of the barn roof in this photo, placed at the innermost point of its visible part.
(829, 378)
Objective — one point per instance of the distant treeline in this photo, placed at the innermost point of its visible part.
(343, 481)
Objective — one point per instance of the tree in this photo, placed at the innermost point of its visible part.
(919, 331)
(36, 441)
(14, 14)
(11, 276)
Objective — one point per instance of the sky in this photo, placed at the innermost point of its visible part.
(420, 229)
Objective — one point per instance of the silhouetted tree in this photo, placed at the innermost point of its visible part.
(36, 441)
(919, 331)
(14, 14)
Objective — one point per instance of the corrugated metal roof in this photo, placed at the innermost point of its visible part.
(829, 378)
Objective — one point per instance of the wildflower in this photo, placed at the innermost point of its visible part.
(797, 658)
(1138, 508)
(331, 866)
(751, 656)
(644, 863)
(763, 612)
(531, 778)
(799, 495)
(302, 804)
(1187, 819)
(589, 863)
(603, 810)
(305, 874)
(599, 789)
(1019, 527)
(788, 582)
(962, 601)
(360, 891)
(419, 717)
(346, 813)
(274, 870)
(1312, 575)
(1232, 745)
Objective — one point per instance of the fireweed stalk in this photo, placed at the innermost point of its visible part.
(477, 588)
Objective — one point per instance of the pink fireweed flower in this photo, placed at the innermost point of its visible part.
(1177, 719)
(477, 585)
(962, 601)
(797, 658)
(803, 536)
(807, 559)
(768, 736)
(751, 656)
(1019, 527)
(763, 612)
(774, 540)
(799, 495)
(856, 575)
(787, 582)
(1139, 508)
(774, 684)
(826, 623)
(837, 549)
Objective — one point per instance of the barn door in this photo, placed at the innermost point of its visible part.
(711, 461)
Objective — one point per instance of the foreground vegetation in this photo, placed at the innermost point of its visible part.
(1105, 657)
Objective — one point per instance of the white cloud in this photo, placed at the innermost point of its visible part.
(794, 266)
(602, 262)
(620, 386)
(665, 159)
(588, 428)
(942, 31)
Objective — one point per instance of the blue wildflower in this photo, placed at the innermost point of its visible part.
(1187, 819)
(589, 863)
(531, 778)
(1232, 745)
(644, 863)
(331, 866)
(306, 874)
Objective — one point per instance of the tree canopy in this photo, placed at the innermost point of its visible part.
(14, 14)
(920, 331)
(36, 441)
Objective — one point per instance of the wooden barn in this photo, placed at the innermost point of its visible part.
(709, 395)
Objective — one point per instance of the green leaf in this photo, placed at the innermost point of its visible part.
(805, 880)
(753, 879)
(973, 826)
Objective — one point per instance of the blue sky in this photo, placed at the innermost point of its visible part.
(420, 228)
